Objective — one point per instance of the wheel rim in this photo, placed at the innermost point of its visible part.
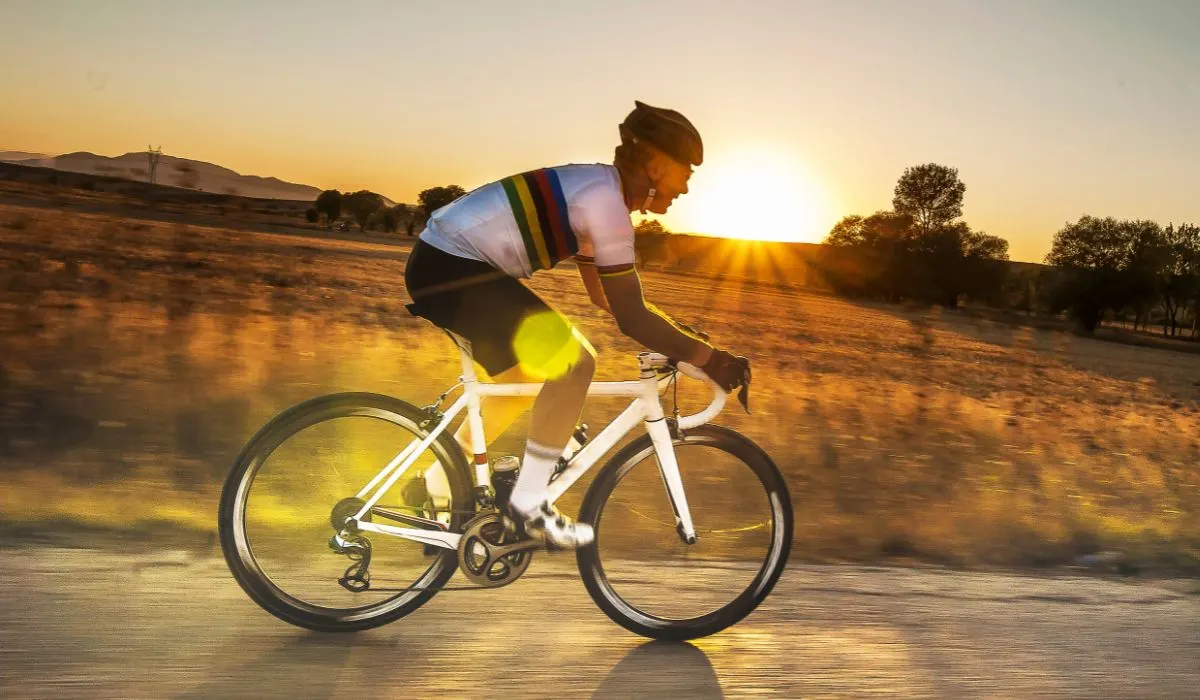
(291, 480)
(669, 584)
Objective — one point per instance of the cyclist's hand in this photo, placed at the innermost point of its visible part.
(728, 371)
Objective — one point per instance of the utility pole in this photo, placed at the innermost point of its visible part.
(153, 154)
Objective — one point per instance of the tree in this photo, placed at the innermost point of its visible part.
(1179, 277)
(361, 205)
(435, 198)
(847, 233)
(1109, 265)
(649, 226)
(931, 194)
(870, 256)
(406, 216)
(919, 251)
(650, 242)
(1146, 259)
(329, 203)
(966, 263)
(312, 215)
(883, 230)
(885, 255)
(384, 218)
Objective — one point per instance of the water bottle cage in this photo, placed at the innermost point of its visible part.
(580, 436)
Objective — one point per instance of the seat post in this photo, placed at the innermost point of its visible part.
(468, 363)
(464, 352)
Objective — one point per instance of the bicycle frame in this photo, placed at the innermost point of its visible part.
(645, 406)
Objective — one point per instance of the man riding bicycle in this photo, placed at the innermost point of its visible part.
(463, 276)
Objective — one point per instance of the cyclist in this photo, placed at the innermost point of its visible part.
(463, 275)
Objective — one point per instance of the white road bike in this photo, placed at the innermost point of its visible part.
(676, 567)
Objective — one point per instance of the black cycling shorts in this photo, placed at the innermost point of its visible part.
(505, 321)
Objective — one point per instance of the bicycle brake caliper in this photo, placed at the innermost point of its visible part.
(433, 416)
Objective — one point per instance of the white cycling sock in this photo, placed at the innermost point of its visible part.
(536, 469)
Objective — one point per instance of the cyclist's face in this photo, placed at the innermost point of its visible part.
(670, 180)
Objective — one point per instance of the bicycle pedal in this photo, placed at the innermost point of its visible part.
(514, 528)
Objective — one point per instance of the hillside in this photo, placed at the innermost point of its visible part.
(13, 156)
(172, 170)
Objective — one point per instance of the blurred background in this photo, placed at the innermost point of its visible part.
(958, 243)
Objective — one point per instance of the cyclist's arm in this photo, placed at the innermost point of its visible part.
(604, 220)
(591, 280)
(643, 322)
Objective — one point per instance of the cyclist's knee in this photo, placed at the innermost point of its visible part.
(585, 359)
(584, 366)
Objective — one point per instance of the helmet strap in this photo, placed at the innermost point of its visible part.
(650, 192)
(649, 199)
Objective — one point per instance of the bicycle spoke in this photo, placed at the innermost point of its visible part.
(296, 482)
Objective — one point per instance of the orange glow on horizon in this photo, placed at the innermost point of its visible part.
(762, 195)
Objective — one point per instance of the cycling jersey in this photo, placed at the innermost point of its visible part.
(534, 220)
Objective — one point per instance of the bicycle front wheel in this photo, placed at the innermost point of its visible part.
(641, 573)
(299, 474)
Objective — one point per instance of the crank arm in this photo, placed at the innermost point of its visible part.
(503, 550)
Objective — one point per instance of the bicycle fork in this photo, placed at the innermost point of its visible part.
(664, 455)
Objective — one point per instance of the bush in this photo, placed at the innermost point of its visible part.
(312, 215)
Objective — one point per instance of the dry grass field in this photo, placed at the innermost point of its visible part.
(138, 356)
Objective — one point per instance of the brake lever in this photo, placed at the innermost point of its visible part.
(743, 395)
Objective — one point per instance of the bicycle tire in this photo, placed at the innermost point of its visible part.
(239, 555)
(591, 569)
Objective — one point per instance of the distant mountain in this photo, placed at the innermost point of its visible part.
(181, 172)
(14, 156)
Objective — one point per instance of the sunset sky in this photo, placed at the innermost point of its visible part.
(809, 110)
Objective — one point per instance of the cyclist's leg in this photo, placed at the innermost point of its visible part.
(555, 414)
(500, 412)
(512, 329)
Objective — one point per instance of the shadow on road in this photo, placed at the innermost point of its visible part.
(661, 669)
(321, 656)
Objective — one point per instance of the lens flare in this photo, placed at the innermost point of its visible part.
(547, 346)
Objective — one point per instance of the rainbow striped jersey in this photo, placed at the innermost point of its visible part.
(534, 220)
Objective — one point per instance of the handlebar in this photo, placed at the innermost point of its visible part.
(658, 361)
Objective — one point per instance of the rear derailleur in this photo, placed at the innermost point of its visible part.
(352, 543)
(357, 578)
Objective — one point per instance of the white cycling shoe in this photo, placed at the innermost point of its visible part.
(556, 529)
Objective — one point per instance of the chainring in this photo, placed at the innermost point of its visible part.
(486, 555)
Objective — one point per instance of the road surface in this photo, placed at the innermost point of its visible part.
(89, 623)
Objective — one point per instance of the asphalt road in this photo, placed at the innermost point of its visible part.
(82, 623)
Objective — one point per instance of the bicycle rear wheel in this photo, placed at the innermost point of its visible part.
(641, 573)
(279, 500)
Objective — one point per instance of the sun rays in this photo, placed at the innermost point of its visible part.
(761, 194)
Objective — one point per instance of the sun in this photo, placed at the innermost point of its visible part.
(754, 194)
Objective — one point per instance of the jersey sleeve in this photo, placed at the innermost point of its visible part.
(604, 229)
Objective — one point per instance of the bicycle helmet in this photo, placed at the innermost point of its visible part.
(665, 129)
